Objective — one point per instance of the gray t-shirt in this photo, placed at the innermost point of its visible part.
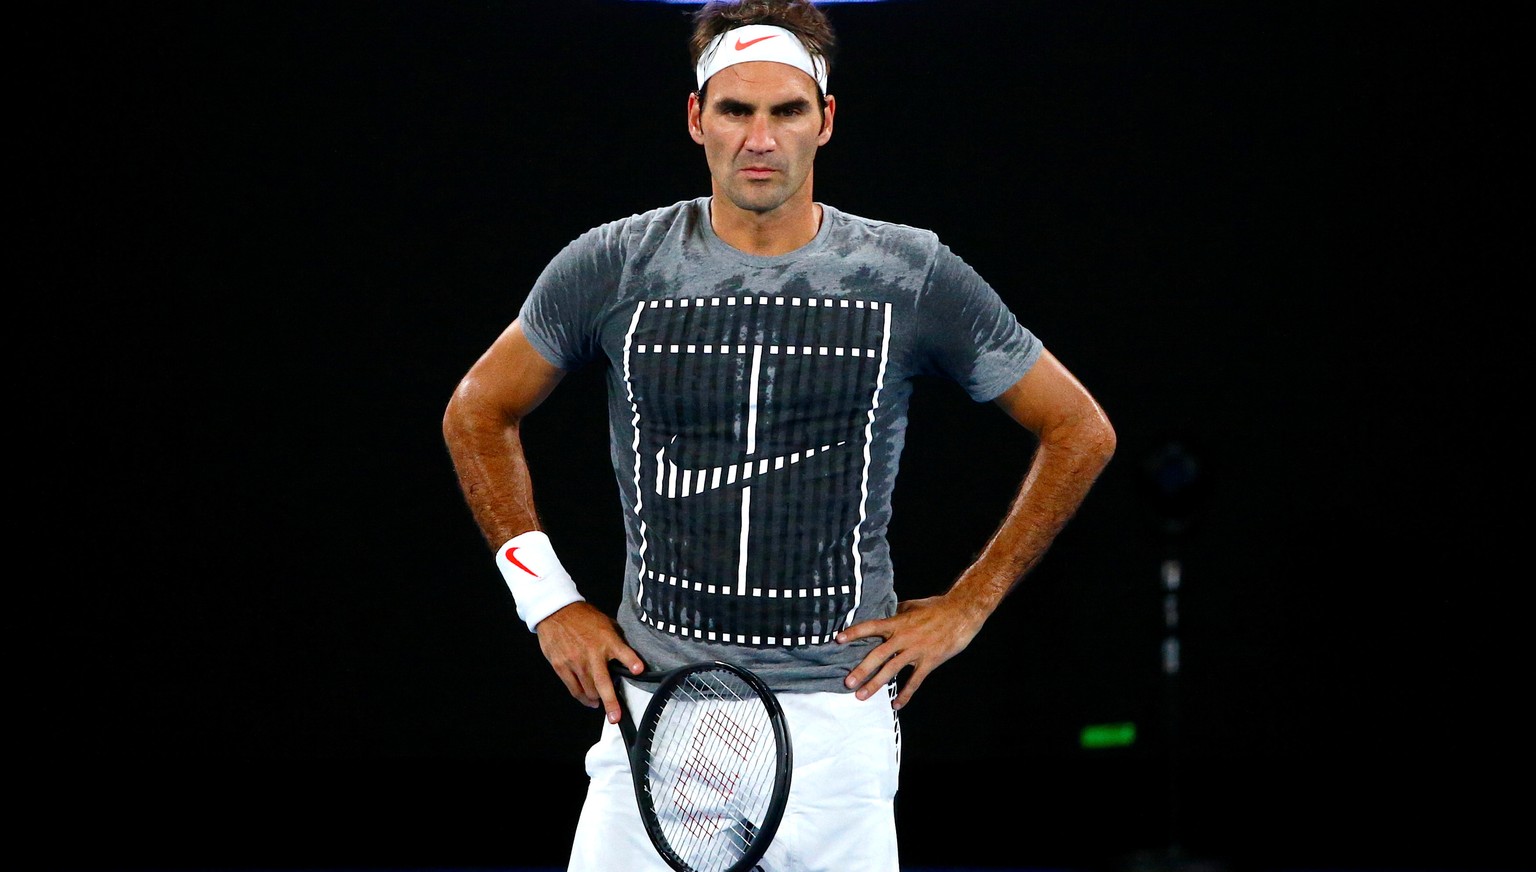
(757, 412)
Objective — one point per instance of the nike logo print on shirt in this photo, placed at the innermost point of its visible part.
(515, 562)
(676, 481)
(751, 42)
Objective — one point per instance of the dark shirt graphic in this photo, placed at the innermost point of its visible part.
(753, 416)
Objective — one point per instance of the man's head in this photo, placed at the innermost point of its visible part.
(761, 109)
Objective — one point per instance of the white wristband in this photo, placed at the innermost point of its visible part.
(540, 585)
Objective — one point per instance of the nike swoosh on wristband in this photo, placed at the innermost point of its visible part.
(751, 42)
(696, 481)
(515, 562)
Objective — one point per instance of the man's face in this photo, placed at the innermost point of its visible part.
(760, 127)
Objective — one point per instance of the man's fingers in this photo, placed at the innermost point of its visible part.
(865, 677)
(904, 696)
(608, 692)
(886, 674)
(612, 705)
(577, 685)
(862, 630)
(631, 661)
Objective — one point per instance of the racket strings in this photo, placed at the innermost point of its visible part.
(713, 769)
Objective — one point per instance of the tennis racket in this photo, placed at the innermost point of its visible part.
(711, 762)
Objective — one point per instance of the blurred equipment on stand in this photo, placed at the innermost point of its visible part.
(1176, 485)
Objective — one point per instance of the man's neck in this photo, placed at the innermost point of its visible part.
(764, 234)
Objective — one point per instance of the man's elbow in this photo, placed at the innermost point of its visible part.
(1090, 437)
(1102, 440)
(466, 411)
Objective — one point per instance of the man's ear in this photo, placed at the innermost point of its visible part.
(696, 117)
(826, 120)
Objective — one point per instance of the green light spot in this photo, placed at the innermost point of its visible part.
(1108, 735)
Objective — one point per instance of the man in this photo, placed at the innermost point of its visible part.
(760, 349)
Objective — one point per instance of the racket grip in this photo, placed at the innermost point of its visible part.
(626, 719)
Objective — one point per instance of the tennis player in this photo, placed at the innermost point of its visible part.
(760, 348)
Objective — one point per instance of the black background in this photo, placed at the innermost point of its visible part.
(257, 626)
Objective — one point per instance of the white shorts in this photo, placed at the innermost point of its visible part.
(841, 810)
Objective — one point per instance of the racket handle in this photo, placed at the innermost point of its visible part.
(626, 718)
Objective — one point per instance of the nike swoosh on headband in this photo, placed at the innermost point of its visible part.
(741, 45)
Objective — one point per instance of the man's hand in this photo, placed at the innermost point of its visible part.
(1074, 442)
(923, 634)
(579, 641)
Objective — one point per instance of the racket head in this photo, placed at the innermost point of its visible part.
(712, 762)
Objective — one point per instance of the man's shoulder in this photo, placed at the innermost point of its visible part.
(641, 223)
(641, 231)
(885, 233)
(877, 226)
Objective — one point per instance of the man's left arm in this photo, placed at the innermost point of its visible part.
(1074, 443)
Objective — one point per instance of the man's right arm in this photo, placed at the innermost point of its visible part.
(482, 427)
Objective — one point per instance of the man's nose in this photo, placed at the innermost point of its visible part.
(760, 134)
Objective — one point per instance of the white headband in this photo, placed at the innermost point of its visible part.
(759, 42)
